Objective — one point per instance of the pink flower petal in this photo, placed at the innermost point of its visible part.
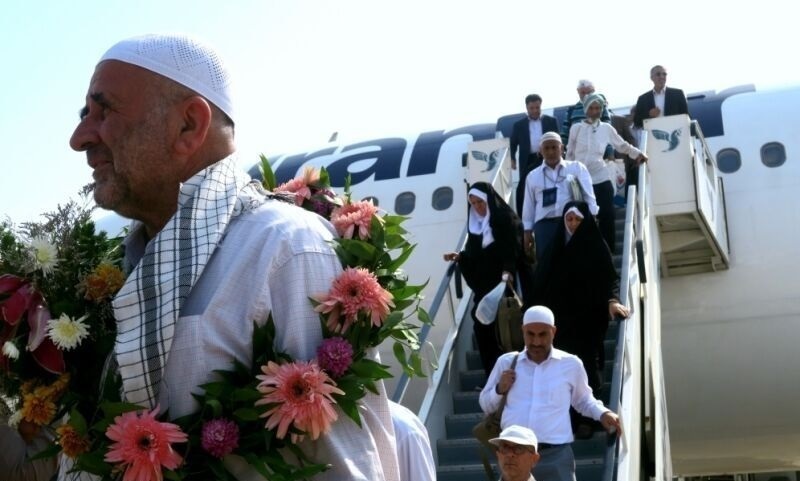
(38, 315)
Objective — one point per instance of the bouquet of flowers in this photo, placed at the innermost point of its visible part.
(57, 279)
(256, 412)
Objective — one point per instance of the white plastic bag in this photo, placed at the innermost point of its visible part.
(487, 308)
(616, 172)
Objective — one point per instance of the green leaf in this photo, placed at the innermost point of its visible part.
(423, 316)
(77, 421)
(111, 410)
(245, 395)
(401, 259)
(367, 368)
(400, 354)
(246, 414)
(220, 473)
(49, 452)
(215, 407)
(215, 389)
(93, 463)
(350, 407)
(362, 250)
(174, 476)
(267, 174)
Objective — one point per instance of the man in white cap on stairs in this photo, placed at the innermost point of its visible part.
(158, 131)
(540, 390)
(516, 450)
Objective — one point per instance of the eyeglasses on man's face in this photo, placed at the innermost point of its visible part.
(514, 449)
(660, 74)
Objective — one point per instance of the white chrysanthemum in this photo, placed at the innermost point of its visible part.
(10, 350)
(15, 418)
(67, 333)
(44, 254)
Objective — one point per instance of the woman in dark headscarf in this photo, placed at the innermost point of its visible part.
(493, 253)
(577, 280)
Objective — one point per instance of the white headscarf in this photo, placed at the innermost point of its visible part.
(479, 225)
(575, 211)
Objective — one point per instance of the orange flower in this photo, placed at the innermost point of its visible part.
(103, 282)
(38, 409)
(72, 443)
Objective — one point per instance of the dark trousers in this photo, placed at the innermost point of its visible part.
(556, 464)
(525, 168)
(488, 347)
(604, 193)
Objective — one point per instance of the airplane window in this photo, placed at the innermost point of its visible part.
(773, 154)
(442, 198)
(729, 160)
(373, 199)
(404, 203)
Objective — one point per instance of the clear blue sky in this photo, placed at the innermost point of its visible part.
(305, 69)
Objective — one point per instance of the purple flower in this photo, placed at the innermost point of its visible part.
(335, 356)
(220, 437)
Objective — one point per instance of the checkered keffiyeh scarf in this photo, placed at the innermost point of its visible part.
(148, 305)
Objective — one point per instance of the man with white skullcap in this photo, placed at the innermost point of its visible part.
(548, 188)
(157, 130)
(540, 390)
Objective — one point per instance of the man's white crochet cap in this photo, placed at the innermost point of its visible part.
(183, 59)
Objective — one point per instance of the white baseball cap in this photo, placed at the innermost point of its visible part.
(518, 435)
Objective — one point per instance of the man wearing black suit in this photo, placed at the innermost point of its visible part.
(662, 100)
(526, 133)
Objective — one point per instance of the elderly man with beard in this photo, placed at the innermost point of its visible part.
(209, 252)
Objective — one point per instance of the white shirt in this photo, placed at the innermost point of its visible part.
(271, 260)
(545, 177)
(587, 144)
(535, 131)
(541, 396)
(413, 445)
(660, 98)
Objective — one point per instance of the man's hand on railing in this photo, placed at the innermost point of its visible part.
(616, 309)
(641, 159)
(610, 422)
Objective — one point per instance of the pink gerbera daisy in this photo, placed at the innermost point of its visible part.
(351, 216)
(355, 290)
(301, 186)
(143, 445)
(299, 394)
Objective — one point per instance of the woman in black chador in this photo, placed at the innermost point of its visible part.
(577, 280)
(493, 250)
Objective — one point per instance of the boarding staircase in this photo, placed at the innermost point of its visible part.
(690, 214)
(633, 375)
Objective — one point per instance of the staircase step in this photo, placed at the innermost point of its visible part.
(460, 425)
(466, 451)
(474, 360)
(466, 402)
(585, 470)
(474, 378)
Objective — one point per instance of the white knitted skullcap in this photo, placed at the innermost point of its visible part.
(539, 314)
(549, 136)
(182, 59)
